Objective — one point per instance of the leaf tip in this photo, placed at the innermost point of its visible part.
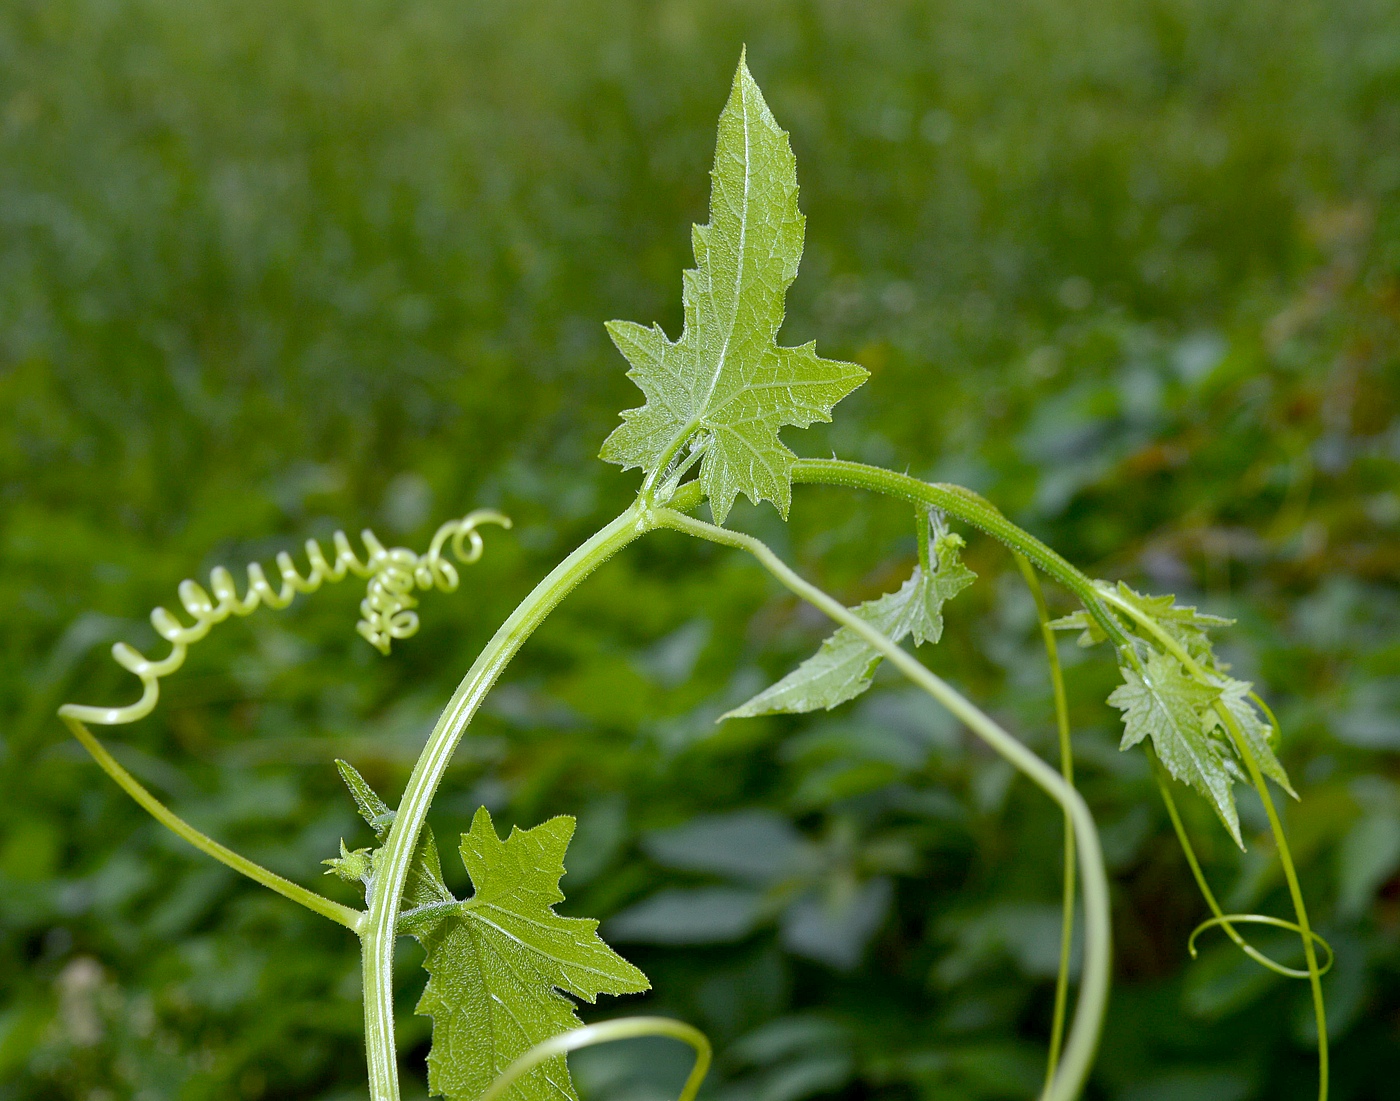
(481, 823)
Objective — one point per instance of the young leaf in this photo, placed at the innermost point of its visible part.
(726, 379)
(424, 884)
(844, 665)
(373, 809)
(498, 961)
(1091, 634)
(1169, 706)
(1258, 734)
(949, 577)
(1183, 623)
(353, 867)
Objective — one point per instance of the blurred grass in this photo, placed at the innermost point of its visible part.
(1131, 269)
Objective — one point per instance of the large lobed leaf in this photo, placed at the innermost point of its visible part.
(726, 383)
(499, 963)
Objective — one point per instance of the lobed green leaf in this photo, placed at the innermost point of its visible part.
(1258, 734)
(726, 381)
(501, 962)
(1168, 706)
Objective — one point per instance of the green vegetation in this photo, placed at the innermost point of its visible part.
(263, 269)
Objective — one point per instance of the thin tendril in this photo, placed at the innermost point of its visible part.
(387, 614)
(1295, 891)
(1057, 684)
(386, 609)
(1225, 920)
(606, 1032)
(1222, 919)
(317, 903)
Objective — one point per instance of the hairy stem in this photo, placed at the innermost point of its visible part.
(972, 509)
(382, 919)
(1057, 685)
(1088, 1017)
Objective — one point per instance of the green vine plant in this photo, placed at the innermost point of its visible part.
(504, 970)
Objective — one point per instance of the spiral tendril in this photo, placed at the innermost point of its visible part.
(386, 611)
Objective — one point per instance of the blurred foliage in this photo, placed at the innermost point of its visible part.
(1129, 267)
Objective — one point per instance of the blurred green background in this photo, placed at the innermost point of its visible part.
(1129, 267)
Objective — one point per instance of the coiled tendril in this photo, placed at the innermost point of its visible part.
(386, 611)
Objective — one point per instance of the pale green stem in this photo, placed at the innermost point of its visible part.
(1057, 684)
(1088, 1018)
(392, 869)
(981, 513)
(342, 915)
(606, 1032)
(1290, 873)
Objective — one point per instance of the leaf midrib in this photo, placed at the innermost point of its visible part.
(739, 267)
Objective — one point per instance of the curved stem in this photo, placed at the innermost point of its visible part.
(975, 510)
(606, 1032)
(1057, 684)
(1088, 1017)
(397, 854)
(341, 915)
